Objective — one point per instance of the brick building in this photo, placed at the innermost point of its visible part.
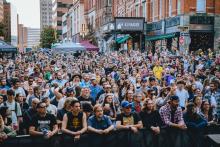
(90, 14)
(175, 24)
(187, 25)
(73, 22)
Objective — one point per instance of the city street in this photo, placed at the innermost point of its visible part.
(110, 73)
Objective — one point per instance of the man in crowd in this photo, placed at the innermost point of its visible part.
(15, 116)
(43, 125)
(85, 96)
(100, 126)
(74, 125)
(182, 94)
(172, 117)
(129, 121)
(29, 114)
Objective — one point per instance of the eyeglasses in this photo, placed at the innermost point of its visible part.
(127, 107)
(42, 107)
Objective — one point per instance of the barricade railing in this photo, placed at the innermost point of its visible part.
(120, 138)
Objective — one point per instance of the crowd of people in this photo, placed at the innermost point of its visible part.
(94, 94)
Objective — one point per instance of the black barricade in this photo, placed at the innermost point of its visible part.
(121, 138)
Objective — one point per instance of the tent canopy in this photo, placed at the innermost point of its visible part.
(67, 47)
(89, 46)
(4, 47)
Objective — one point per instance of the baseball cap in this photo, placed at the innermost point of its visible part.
(174, 97)
(125, 104)
(69, 90)
(93, 78)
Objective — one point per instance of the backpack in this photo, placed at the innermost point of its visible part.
(16, 107)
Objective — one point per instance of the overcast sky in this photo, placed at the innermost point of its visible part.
(29, 12)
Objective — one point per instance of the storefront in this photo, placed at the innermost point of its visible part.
(184, 33)
(201, 32)
(163, 34)
(124, 34)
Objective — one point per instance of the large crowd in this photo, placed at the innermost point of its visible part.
(45, 94)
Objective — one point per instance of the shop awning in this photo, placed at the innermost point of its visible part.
(123, 39)
(160, 37)
(4, 47)
(89, 46)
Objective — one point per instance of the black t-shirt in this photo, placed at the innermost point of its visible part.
(55, 102)
(28, 117)
(74, 122)
(131, 119)
(41, 123)
(82, 100)
(150, 119)
(60, 114)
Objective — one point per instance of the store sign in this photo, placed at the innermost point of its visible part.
(129, 24)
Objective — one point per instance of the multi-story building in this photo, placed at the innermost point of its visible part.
(11, 23)
(90, 14)
(33, 37)
(185, 25)
(74, 24)
(45, 13)
(59, 8)
(22, 38)
(1, 11)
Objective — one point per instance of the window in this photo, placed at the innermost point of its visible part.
(170, 8)
(161, 8)
(137, 11)
(152, 10)
(201, 6)
(178, 7)
(144, 10)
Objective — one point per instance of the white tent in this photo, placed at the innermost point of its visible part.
(67, 47)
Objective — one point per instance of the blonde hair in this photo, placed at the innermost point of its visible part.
(96, 107)
(68, 101)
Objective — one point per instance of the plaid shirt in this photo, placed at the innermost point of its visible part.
(165, 113)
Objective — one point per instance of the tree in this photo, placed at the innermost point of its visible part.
(47, 37)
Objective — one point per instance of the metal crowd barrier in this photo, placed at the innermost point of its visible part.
(123, 138)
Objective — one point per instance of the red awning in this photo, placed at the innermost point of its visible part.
(89, 46)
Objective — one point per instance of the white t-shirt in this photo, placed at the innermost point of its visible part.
(183, 97)
(11, 107)
(51, 109)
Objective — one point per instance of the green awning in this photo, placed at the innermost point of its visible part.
(123, 39)
(160, 37)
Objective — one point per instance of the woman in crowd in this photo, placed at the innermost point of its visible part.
(207, 111)
(109, 107)
(152, 122)
(197, 102)
(195, 124)
(5, 131)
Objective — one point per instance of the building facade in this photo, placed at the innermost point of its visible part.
(59, 8)
(22, 38)
(33, 37)
(45, 13)
(1, 11)
(90, 15)
(11, 23)
(74, 24)
(184, 25)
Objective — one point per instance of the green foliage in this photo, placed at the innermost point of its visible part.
(47, 37)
